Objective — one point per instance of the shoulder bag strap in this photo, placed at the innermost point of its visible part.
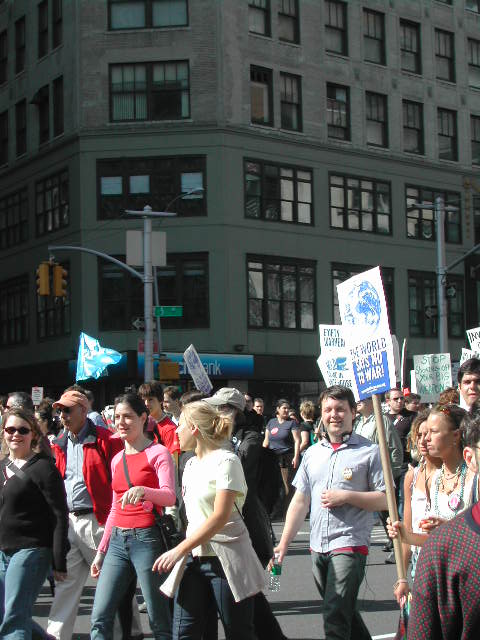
(125, 469)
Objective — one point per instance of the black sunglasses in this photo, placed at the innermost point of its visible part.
(65, 410)
(21, 430)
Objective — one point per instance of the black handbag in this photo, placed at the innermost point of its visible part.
(165, 523)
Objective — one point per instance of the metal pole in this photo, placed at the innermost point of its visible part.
(157, 303)
(441, 272)
(147, 294)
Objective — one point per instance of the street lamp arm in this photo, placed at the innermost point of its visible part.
(105, 256)
(462, 258)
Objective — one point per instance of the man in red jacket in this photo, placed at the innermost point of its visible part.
(83, 454)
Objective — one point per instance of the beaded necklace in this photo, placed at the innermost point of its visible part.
(455, 498)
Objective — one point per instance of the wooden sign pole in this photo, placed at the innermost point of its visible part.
(389, 484)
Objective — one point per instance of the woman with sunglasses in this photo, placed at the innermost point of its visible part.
(33, 524)
(446, 480)
(142, 480)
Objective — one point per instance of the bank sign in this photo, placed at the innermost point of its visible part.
(218, 365)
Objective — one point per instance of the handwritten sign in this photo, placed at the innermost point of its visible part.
(364, 315)
(473, 336)
(433, 373)
(333, 361)
(196, 370)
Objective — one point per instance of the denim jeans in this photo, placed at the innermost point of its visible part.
(131, 551)
(338, 577)
(22, 574)
(204, 581)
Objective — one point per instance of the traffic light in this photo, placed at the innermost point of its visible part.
(59, 281)
(43, 279)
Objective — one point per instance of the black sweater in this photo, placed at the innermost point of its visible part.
(33, 511)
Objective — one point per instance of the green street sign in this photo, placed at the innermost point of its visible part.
(167, 312)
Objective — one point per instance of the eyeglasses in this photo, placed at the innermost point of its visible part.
(21, 430)
(66, 410)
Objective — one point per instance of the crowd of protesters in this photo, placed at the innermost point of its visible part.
(87, 493)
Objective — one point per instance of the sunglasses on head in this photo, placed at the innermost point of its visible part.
(21, 430)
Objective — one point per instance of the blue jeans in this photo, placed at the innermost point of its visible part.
(22, 573)
(203, 583)
(338, 577)
(131, 551)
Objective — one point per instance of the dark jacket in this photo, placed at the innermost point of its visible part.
(33, 509)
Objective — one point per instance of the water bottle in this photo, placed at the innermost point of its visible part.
(275, 573)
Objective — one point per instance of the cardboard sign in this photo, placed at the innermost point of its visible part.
(473, 336)
(367, 333)
(196, 370)
(37, 395)
(333, 361)
(433, 373)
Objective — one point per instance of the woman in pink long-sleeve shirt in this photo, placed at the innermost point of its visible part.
(142, 480)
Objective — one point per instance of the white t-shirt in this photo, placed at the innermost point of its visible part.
(202, 478)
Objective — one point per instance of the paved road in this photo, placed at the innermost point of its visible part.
(297, 604)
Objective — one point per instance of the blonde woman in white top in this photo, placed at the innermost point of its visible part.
(216, 560)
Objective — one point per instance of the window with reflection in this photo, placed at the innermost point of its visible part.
(413, 127)
(14, 314)
(52, 203)
(281, 293)
(360, 204)
(14, 219)
(338, 111)
(475, 129)
(422, 305)
(279, 193)
(336, 40)
(164, 183)
(259, 17)
(421, 222)
(288, 27)
(142, 14)
(473, 53)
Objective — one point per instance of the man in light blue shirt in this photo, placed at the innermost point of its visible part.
(341, 479)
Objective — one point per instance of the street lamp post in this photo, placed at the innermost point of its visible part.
(440, 209)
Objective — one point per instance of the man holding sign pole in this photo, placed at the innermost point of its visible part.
(341, 479)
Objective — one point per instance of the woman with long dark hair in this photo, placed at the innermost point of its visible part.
(142, 480)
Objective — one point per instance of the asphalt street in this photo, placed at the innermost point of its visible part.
(297, 605)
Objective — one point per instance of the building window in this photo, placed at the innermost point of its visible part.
(150, 91)
(58, 112)
(20, 45)
(447, 134)
(472, 5)
(131, 183)
(377, 119)
(288, 29)
(3, 56)
(421, 222)
(4, 138)
(475, 125)
(141, 14)
(14, 312)
(57, 23)
(184, 282)
(42, 101)
(281, 293)
(338, 111)
(259, 17)
(374, 36)
(413, 127)
(54, 314)
(336, 40)
(474, 63)
(342, 272)
(422, 304)
(21, 127)
(278, 193)
(52, 210)
(42, 28)
(449, 2)
(360, 204)
(261, 110)
(291, 101)
(14, 219)
(445, 55)
(410, 52)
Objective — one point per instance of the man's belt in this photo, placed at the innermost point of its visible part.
(81, 512)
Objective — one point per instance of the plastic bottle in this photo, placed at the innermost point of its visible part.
(275, 573)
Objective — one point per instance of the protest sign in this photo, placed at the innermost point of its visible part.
(37, 395)
(467, 354)
(433, 373)
(196, 370)
(333, 360)
(367, 334)
(473, 336)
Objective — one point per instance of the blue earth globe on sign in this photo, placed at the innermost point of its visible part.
(363, 308)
